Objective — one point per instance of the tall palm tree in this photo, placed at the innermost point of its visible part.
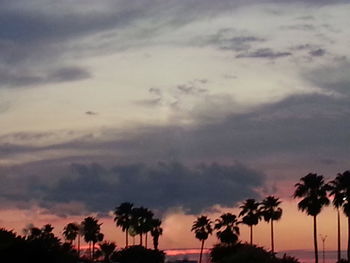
(202, 228)
(338, 200)
(156, 231)
(148, 224)
(313, 190)
(123, 218)
(251, 215)
(228, 222)
(340, 189)
(271, 211)
(92, 233)
(71, 231)
(139, 221)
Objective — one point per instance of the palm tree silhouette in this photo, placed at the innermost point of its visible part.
(251, 215)
(156, 231)
(202, 228)
(123, 218)
(271, 211)
(228, 222)
(338, 200)
(107, 249)
(92, 233)
(313, 190)
(70, 232)
(340, 189)
(140, 221)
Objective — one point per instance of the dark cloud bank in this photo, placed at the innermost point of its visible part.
(162, 186)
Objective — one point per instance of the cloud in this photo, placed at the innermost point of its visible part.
(160, 186)
(263, 53)
(19, 78)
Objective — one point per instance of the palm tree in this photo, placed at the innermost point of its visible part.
(107, 249)
(148, 224)
(123, 218)
(70, 232)
(156, 231)
(340, 189)
(338, 200)
(140, 219)
(271, 211)
(313, 190)
(92, 233)
(202, 228)
(251, 215)
(229, 234)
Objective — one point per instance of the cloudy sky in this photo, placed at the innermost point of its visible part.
(183, 106)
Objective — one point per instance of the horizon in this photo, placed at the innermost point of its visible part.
(187, 108)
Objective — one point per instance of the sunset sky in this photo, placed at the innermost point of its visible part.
(186, 107)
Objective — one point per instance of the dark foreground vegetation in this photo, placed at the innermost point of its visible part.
(40, 245)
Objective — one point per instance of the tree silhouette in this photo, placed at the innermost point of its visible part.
(340, 189)
(271, 211)
(70, 232)
(156, 231)
(92, 233)
(107, 249)
(313, 190)
(229, 235)
(202, 228)
(338, 200)
(123, 218)
(251, 215)
(140, 221)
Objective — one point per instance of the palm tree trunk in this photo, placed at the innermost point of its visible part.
(146, 239)
(201, 253)
(78, 245)
(315, 240)
(272, 241)
(126, 237)
(141, 239)
(348, 238)
(339, 246)
(93, 251)
(251, 235)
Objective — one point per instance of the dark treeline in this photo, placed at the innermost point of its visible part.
(314, 193)
(41, 245)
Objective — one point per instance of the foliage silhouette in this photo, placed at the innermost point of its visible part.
(229, 235)
(123, 218)
(271, 211)
(251, 215)
(92, 234)
(202, 228)
(313, 190)
(138, 254)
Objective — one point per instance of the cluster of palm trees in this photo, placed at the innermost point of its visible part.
(227, 225)
(89, 229)
(132, 220)
(315, 194)
(138, 221)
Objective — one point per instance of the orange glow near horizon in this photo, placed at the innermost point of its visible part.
(293, 231)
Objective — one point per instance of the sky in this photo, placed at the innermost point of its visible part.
(185, 107)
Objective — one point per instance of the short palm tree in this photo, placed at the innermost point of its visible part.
(202, 228)
(340, 189)
(251, 215)
(228, 230)
(123, 218)
(107, 249)
(156, 231)
(313, 190)
(271, 211)
(70, 232)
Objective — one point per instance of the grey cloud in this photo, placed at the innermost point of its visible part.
(318, 52)
(18, 78)
(263, 53)
(161, 186)
(91, 113)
